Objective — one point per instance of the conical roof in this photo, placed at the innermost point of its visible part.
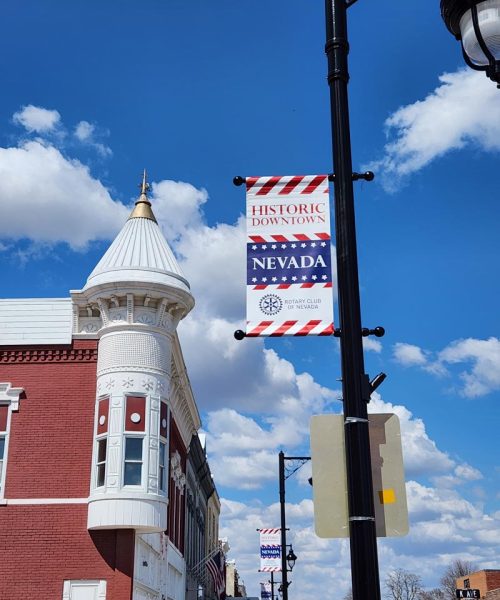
(139, 253)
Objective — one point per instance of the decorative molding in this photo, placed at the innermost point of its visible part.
(47, 355)
(10, 394)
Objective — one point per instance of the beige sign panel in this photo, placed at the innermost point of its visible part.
(330, 479)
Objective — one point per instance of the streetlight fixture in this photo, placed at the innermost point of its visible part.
(291, 558)
(476, 25)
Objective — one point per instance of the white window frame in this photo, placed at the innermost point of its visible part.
(142, 462)
(71, 584)
(9, 396)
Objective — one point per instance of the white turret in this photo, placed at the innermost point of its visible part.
(133, 299)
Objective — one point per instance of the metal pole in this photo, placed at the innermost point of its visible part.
(284, 573)
(355, 383)
(272, 585)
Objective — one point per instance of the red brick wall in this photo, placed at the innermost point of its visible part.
(41, 546)
(492, 579)
(176, 444)
(50, 445)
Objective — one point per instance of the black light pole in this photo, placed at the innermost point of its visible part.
(290, 557)
(355, 383)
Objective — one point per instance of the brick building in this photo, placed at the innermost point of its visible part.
(487, 581)
(96, 418)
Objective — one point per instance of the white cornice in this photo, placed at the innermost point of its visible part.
(182, 401)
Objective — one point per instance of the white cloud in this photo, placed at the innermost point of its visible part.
(443, 121)
(420, 453)
(37, 119)
(50, 199)
(484, 356)
(409, 355)
(85, 132)
(372, 345)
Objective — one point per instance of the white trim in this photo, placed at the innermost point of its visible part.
(9, 396)
(45, 501)
(96, 584)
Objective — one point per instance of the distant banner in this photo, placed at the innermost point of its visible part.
(265, 591)
(270, 550)
(289, 264)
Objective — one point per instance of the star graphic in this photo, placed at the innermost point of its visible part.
(303, 245)
(294, 278)
(294, 245)
(275, 279)
(283, 278)
(264, 279)
(274, 246)
(283, 246)
(323, 244)
(304, 277)
(313, 244)
(254, 279)
(324, 277)
(264, 247)
(314, 277)
(254, 247)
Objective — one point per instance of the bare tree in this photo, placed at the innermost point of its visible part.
(458, 568)
(435, 594)
(348, 596)
(402, 585)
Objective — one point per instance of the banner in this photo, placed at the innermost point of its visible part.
(270, 550)
(265, 591)
(289, 264)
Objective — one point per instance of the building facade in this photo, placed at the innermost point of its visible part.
(96, 420)
(487, 581)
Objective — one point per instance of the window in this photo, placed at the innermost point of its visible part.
(9, 402)
(132, 473)
(102, 445)
(101, 442)
(466, 583)
(162, 471)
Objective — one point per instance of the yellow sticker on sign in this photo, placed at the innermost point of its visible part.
(387, 496)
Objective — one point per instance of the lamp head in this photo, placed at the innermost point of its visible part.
(476, 24)
(291, 558)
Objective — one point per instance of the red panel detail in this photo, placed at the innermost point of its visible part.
(315, 183)
(259, 329)
(323, 236)
(4, 411)
(103, 411)
(135, 405)
(328, 331)
(251, 181)
(268, 186)
(301, 237)
(307, 285)
(279, 238)
(328, 285)
(284, 286)
(308, 327)
(292, 184)
(164, 419)
(284, 328)
(259, 287)
(257, 239)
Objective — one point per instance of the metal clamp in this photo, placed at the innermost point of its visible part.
(349, 420)
(361, 518)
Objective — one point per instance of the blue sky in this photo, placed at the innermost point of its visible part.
(198, 92)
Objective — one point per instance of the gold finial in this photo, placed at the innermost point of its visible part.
(142, 208)
(145, 187)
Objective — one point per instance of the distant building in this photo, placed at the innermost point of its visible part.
(97, 417)
(487, 581)
(234, 585)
